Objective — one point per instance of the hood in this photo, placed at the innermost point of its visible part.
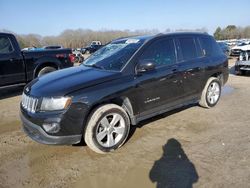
(245, 47)
(62, 82)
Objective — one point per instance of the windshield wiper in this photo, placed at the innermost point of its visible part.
(94, 66)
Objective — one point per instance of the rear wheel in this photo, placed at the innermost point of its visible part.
(107, 128)
(77, 59)
(81, 59)
(211, 93)
(45, 70)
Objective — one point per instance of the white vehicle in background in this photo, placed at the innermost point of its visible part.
(235, 51)
(79, 58)
(96, 42)
(243, 64)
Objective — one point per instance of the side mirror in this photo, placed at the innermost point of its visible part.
(145, 66)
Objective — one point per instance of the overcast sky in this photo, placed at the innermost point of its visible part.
(51, 17)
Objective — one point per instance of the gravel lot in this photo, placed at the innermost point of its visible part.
(187, 147)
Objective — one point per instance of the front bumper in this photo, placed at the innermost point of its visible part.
(242, 65)
(235, 52)
(38, 134)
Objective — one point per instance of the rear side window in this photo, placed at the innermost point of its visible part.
(188, 48)
(209, 47)
(161, 52)
(5, 45)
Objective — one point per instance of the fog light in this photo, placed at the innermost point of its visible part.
(51, 127)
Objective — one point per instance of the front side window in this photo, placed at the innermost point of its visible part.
(115, 55)
(5, 45)
(161, 52)
(188, 48)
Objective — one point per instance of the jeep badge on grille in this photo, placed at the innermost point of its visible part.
(27, 89)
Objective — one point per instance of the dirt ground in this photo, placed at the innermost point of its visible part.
(187, 147)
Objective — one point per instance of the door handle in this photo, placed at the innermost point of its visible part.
(163, 79)
(12, 59)
(189, 70)
(174, 70)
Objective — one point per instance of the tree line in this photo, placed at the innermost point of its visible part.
(77, 38)
(232, 32)
(82, 37)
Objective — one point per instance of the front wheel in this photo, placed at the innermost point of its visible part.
(107, 128)
(211, 93)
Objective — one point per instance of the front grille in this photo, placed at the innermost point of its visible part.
(29, 103)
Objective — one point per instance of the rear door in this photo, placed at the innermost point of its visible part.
(12, 69)
(160, 87)
(191, 65)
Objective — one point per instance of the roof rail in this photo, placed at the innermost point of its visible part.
(159, 34)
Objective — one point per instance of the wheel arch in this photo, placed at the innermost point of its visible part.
(41, 65)
(125, 103)
(121, 101)
(220, 76)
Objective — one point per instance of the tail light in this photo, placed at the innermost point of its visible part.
(71, 58)
(60, 55)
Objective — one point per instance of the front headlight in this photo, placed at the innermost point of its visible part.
(55, 103)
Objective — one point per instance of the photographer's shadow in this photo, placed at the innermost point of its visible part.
(173, 169)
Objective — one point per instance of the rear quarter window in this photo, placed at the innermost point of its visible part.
(187, 48)
(5, 45)
(209, 47)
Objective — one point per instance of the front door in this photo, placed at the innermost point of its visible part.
(12, 68)
(160, 87)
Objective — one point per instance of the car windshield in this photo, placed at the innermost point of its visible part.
(115, 55)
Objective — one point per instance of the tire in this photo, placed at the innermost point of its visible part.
(77, 59)
(81, 59)
(100, 125)
(211, 93)
(45, 70)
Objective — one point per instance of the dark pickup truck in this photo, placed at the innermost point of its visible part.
(92, 48)
(19, 67)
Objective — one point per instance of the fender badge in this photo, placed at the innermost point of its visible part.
(27, 89)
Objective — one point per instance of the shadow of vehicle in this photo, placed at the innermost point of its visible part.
(173, 169)
(164, 115)
(10, 92)
(155, 118)
(232, 70)
(247, 73)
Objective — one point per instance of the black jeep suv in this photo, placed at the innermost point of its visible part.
(121, 84)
